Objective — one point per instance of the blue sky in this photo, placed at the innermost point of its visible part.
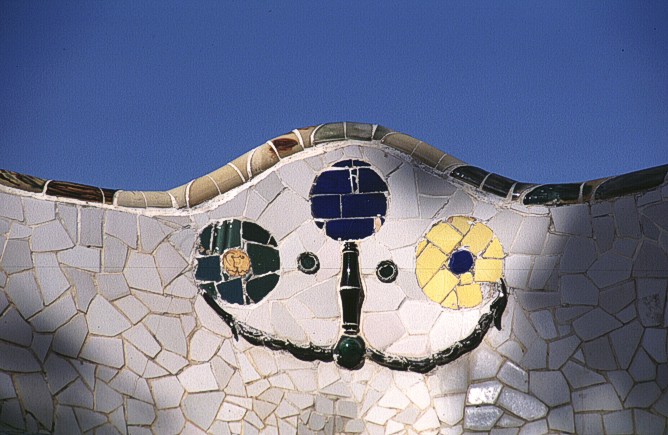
(139, 95)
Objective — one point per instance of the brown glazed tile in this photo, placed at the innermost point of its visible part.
(74, 190)
(401, 142)
(158, 199)
(286, 144)
(226, 178)
(428, 154)
(263, 158)
(201, 190)
(20, 181)
(108, 195)
(130, 199)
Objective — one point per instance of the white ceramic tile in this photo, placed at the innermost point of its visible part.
(104, 350)
(141, 273)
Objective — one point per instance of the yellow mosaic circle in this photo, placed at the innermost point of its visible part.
(433, 254)
(236, 262)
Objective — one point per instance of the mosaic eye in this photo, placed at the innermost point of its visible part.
(237, 262)
(387, 271)
(349, 200)
(308, 263)
(459, 263)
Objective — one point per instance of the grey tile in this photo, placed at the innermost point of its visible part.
(91, 226)
(50, 236)
(112, 285)
(22, 290)
(402, 184)
(577, 289)
(70, 337)
(598, 354)
(38, 211)
(561, 419)
(579, 376)
(481, 417)
(51, 279)
(82, 258)
(594, 324)
(572, 219)
(69, 217)
(55, 315)
(85, 288)
(626, 217)
(610, 269)
(114, 254)
(170, 263)
(578, 255)
(596, 398)
(151, 233)
(141, 273)
(10, 207)
(533, 231)
(123, 226)
(20, 258)
(35, 397)
(522, 405)
(562, 350)
(550, 387)
(642, 395)
(648, 424)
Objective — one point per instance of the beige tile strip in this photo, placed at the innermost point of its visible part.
(258, 160)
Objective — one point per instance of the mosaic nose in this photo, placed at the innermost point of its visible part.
(349, 202)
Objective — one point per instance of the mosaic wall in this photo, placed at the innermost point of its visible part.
(337, 279)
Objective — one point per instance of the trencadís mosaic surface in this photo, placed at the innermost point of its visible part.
(343, 278)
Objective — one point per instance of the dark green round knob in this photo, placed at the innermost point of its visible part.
(349, 352)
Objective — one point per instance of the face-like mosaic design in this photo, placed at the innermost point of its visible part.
(459, 262)
(237, 262)
(458, 265)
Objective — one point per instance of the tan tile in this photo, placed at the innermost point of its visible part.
(262, 158)
(305, 133)
(201, 190)
(226, 178)
(158, 199)
(179, 194)
(130, 199)
(241, 163)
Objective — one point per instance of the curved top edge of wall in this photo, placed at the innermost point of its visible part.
(261, 158)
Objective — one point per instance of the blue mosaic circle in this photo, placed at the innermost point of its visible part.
(460, 262)
(237, 261)
(349, 200)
